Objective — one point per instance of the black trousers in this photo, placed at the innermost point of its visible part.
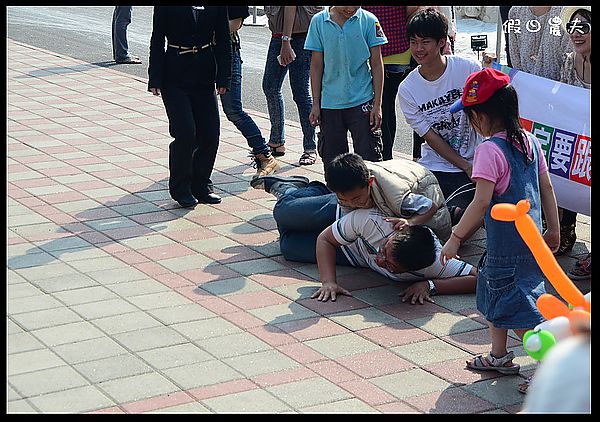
(391, 83)
(194, 124)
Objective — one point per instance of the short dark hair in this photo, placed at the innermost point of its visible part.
(347, 172)
(428, 23)
(413, 248)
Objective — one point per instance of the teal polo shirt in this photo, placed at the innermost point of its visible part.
(347, 80)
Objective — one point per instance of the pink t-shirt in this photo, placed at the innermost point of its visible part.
(489, 162)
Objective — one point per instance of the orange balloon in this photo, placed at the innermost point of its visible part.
(541, 252)
(579, 316)
(551, 307)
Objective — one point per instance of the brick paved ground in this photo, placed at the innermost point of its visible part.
(120, 302)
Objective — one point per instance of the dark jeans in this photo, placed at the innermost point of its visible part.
(394, 75)
(333, 137)
(299, 82)
(194, 123)
(301, 215)
(453, 184)
(232, 106)
(121, 19)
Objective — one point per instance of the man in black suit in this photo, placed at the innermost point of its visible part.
(197, 59)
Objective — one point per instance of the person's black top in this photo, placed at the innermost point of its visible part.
(206, 67)
(236, 12)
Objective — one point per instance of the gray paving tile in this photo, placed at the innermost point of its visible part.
(256, 266)
(382, 295)
(104, 308)
(232, 286)
(20, 406)
(16, 291)
(138, 287)
(66, 282)
(98, 264)
(184, 263)
(63, 243)
(47, 381)
(342, 345)
(11, 393)
(32, 303)
(360, 319)
(309, 392)
(253, 401)
(456, 303)
(444, 324)
(46, 318)
(173, 356)
(150, 338)
(68, 333)
(413, 382)
(79, 254)
(112, 368)
(429, 351)
(137, 387)
(13, 327)
(201, 374)
(84, 295)
(77, 400)
(353, 405)
(234, 345)
(87, 350)
(159, 300)
(31, 361)
(121, 323)
(22, 342)
(298, 291)
(181, 313)
(51, 270)
(502, 391)
(117, 275)
(276, 314)
(206, 328)
(29, 260)
(259, 363)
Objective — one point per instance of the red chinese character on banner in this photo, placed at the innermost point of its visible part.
(581, 170)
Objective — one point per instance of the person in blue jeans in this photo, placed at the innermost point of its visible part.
(232, 100)
(286, 53)
(120, 21)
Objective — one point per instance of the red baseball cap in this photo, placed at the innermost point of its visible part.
(479, 88)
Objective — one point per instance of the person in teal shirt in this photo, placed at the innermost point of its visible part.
(346, 76)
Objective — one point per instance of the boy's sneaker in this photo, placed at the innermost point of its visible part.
(265, 164)
(267, 182)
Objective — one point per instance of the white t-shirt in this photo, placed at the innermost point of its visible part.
(363, 231)
(426, 105)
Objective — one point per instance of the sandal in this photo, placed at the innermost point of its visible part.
(522, 388)
(582, 269)
(491, 363)
(277, 150)
(308, 158)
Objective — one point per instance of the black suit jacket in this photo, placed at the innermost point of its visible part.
(208, 67)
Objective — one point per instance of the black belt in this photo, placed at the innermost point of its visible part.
(193, 50)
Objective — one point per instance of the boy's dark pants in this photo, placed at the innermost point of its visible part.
(333, 137)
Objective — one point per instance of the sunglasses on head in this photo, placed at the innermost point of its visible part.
(580, 27)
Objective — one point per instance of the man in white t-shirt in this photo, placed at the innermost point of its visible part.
(425, 97)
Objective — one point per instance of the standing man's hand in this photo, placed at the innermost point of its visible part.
(155, 91)
(315, 115)
(287, 53)
(375, 118)
(221, 91)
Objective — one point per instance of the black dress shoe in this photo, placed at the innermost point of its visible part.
(209, 198)
(186, 201)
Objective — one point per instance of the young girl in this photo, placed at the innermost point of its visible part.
(507, 167)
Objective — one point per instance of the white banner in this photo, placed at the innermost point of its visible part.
(559, 116)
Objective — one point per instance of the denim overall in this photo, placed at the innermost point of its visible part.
(510, 280)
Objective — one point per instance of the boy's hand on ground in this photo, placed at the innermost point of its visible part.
(328, 290)
(417, 292)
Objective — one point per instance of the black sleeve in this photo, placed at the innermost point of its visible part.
(236, 12)
(223, 48)
(156, 59)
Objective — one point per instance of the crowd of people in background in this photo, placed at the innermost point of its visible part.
(349, 66)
